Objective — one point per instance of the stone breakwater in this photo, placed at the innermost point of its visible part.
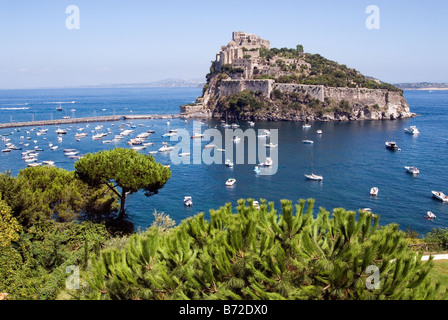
(86, 120)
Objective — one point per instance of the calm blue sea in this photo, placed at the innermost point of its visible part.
(351, 157)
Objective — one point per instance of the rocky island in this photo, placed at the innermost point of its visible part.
(249, 80)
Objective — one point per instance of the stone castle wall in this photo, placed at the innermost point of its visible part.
(229, 87)
(392, 104)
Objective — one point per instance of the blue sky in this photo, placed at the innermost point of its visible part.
(142, 41)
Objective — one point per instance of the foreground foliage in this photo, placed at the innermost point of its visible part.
(258, 254)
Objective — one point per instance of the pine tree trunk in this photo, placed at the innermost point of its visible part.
(122, 203)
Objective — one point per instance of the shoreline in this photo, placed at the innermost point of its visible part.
(86, 120)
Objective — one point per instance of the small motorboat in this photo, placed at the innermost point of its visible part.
(230, 182)
(412, 130)
(197, 135)
(48, 163)
(430, 216)
(412, 170)
(268, 162)
(138, 148)
(72, 153)
(306, 126)
(60, 131)
(440, 196)
(391, 145)
(256, 204)
(229, 163)
(209, 146)
(236, 139)
(166, 148)
(257, 170)
(374, 191)
(270, 145)
(319, 131)
(308, 141)
(314, 177)
(188, 201)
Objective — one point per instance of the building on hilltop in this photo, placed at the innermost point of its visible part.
(242, 45)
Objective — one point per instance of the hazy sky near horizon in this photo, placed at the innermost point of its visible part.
(136, 41)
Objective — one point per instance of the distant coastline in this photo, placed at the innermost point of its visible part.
(426, 89)
(426, 86)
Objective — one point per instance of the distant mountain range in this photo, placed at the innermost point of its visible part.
(422, 86)
(166, 83)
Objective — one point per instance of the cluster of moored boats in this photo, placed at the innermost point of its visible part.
(392, 145)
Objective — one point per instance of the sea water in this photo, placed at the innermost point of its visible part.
(351, 156)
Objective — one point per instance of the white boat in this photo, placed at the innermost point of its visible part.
(184, 154)
(48, 163)
(81, 135)
(6, 150)
(60, 131)
(197, 135)
(314, 177)
(188, 201)
(152, 152)
(257, 170)
(440, 196)
(230, 182)
(308, 141)
(54, 147)
(138, 148)
(234, 125)
(251, 123)
(412, 130)
(270, 145)
(169, 134)
(165, 148)
(374, 191)
(229, 163)
(430, 215)
(33, 164)
(391, 145)
(268, 162)
(256, 204)
(236, 139)
(306, 126)
(412, 170)
(97, 136)
(209, 146)
(73, 153)
(319, 131)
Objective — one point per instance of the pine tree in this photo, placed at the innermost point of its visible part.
(259, 254)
